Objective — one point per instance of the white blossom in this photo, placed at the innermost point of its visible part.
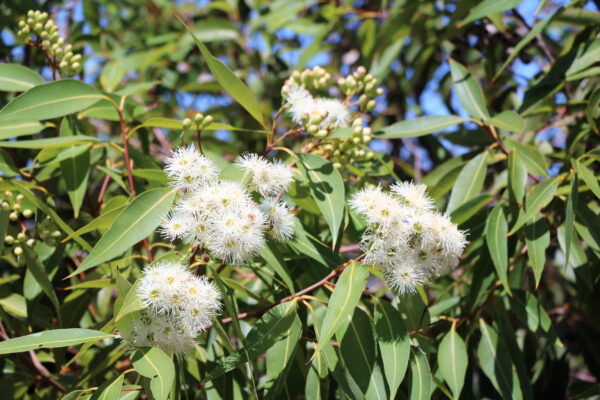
(269, 177)
(281, 220)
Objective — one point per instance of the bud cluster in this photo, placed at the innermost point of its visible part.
(178, 306)
(310, 79)
(45, 231)
(222, 216)
(357, 82)
(411, 242)
(200, 121)
(342, 151)
(37, 23)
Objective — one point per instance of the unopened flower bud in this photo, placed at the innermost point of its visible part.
(21, 236)
(5, 206)
(18, 251)
(75, 66)
(30, 243)
(9, 239)
(371, 105)
(17, 207)
(30, 13)
(198, 118)
(27, 213)
(186, 123)
(55, 234)
(208, 120)
(8, 194)
(38, 27)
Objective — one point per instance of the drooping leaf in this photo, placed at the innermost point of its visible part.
(453, 360)
(532, 158)
(587, 176)
(35, 267)
(394, 344)
(110, 389)
(570, 215)
(76, 172)
(346, 294)
(469, 182)
(279, 360)
(420, 376)
(488, 7)
(517, 176)
(153, 363)
(18, 78)
(468, 91)
(51, 339)
(419, 126)
(228, 81)
(326, 188)
(497, 243)
(138, 220)
(357, 348)
(50, 100)
(541, 195)
(537, 238)
(272, 257)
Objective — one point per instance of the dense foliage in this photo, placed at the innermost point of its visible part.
(299, 199)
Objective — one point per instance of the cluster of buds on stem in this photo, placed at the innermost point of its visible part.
(200, 121)
(21, 230)
(311, 79)
(343, 150)
(48, 38)
(359, 82)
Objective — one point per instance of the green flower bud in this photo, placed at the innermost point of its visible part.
(361, 153)
(366, 139)
(76, 57)
(59, 53)
(75, 66)
(27, 213)
(30, 13)
(5, 206)
(55, 234)
(30, 22)
(22, 24)
(63, 65)
(18, 251)
(38, 27)
(208, 120)
(337, 165)
(321, 134)
(9, 239)
(54, 37)
(356, 140)
(48, 25)
(371, 105)
(8, 194)
(17, 208)
(21, 236)
(357, 122)
(44, 35)
(30, 243)
(198, 118)
(312, 129)
(186, 123)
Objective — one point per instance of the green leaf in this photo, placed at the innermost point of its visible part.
(139, 219)
(18, 78)
(357, 347)
(497, 243)
(153, 363)
(48, 143)
(487, 7)
(508, 120)
(272, 257)
(7, 165)
(541, 195)
(532, 158)
(494, 359)
(271, 328)
(51, 100)
(420, 376)
(529, 310)
(34, 265)
(130, 302)
(104, 221)
(76, 172)
(344, 298)
(570, 215)
(517, 177)
(588, 55)
(470, 208)
(469, 182)
(419, 126)
(51, 339)
(12, 129)
(537, 238)
(110, 389)
(453, 360)
(532, 34)
(588, 177)
(326, 188)
(468, 91)
(278, 360)
(394, 344)
(228, 81)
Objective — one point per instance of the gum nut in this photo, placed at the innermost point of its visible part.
(366, 139)
(361, 153)
(198, 118)
(38, 27)
(63, 65)
(379, 91)
(30, 21)
(336, 153)
(48, 24)
(30, 13)
(21, 236)
(5, 206)
(17, 207)
(9, 239)
(208, 120)
(8, 194)
(61, 42)
(75, 66)
(30, 243)
(27, 213)
(371, 105)
(76, 58)
(356, 140)
(312, 129)
(337, 165)
(44, 35)
(22, 23)
(68, 48)
(18, 251)
(186, 123)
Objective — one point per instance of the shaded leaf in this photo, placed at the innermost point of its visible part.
(153, 363)
(109, 390)
(76, 171)
(588, 177)
(537, 238)
(468, 91)
(469, 182)
(11, 129)
(488, 7)
(420, 376)
(497, 243)
(453, 360)
(51, 339)
(18, 78)
(508, 120)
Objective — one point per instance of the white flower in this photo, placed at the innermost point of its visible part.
(338, 114)
(188, 169)
(176, 226)
(281, 220)
(162, 285)
(300, 102)
(269, 177)
(410, 242)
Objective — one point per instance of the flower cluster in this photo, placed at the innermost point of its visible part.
(412, 243)
(178, 305)
(221, 215)
(49, 39)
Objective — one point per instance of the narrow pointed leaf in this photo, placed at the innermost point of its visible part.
(541, 195)
(11, 129)
(109, 390)
(570, 215)
(153, 363)
(419, 126)
(279, 360)
(139, 219)
(468, 91)
(51, 339)
(344, 298)
(326, 188)
(18, 78)
(588, 177)
(453, 360)
(537, 238)
(394, 344)
(532, 158)
(76, 172)
(508, 120)
(48, 143)
(469, 182)
(487, 7)
(497, 243)
(517, 176)
(51, 100)
(420, 376)
(228, 81)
